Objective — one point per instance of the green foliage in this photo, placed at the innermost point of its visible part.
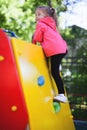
(75, 70)
(81, 113)
(18, 16)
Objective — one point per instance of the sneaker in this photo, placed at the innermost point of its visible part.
(60, 98)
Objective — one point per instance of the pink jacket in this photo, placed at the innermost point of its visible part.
(49, 38)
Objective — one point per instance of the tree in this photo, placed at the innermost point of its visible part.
(75, 70)
(18, 16)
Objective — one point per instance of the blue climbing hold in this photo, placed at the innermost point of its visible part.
(41, 80)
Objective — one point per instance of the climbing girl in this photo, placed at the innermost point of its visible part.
(54, 46)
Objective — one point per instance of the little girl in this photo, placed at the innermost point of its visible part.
(52, 43)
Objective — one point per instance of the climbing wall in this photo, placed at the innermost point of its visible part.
(44, 114)
(13, 112)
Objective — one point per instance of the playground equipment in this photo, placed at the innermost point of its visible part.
(27, 91)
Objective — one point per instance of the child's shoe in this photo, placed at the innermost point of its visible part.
(60, 98)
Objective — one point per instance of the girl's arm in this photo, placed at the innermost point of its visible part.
(38, 35)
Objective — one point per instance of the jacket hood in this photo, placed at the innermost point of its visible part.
(49, 21)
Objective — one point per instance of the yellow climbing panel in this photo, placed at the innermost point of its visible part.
(44, 114)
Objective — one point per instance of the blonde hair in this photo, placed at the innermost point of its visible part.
(50, 12)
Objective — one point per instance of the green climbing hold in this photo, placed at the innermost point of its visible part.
(57, 106)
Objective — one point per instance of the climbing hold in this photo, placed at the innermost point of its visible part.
(71, 116)
(41, 80)
(1, 58)
(57, 106)
(14, 108)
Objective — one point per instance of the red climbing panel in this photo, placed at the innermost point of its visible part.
(13, 112)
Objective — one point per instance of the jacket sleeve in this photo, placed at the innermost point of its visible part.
(39, 33)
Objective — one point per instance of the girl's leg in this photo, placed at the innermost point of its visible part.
(55, 63)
